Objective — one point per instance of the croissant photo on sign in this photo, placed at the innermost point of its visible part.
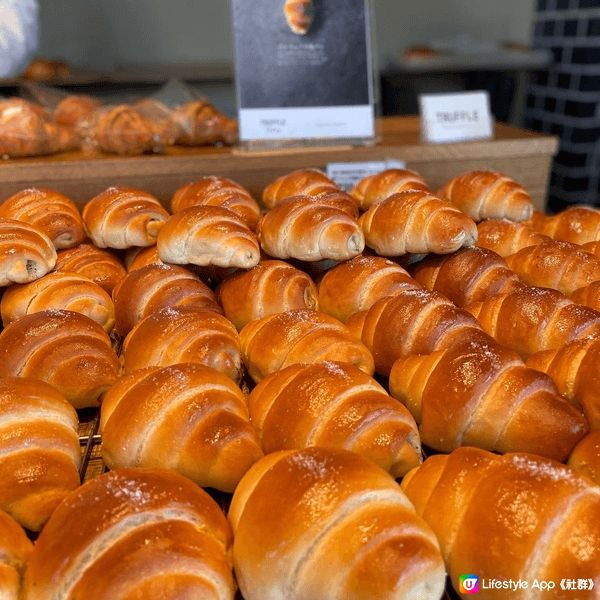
(299, 15)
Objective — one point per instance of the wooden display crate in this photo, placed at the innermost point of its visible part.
(523, 155)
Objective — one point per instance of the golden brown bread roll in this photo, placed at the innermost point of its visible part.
(218, 191)
(25, 252)
(467, 276)
(15, 549)
(121, 217)
(334, 404)
(488, 195)
(585, 458)
(199, 123)
(24, 129)
(136, 258)
(592, 248)
(184, 334)
(187, 418)
(299, 15)
(100, 266)
(148, 289)
(75, 109)
(574, 369)
(42, 69)
(355, 285)
(529, 320)
(133, 533)
(299, 336)
(477, 393)
(588, 295)
(39, 450)
(271, 287)
(376, 188)
(534, 519)
(308, 229)
(334, 526)
(416, 222)
(308, 182)
(558, 265)
(63, 348)
(123, 130)
(59, 290)
(576, 224)
(208, 235)
(412, 321)
(507, 237)
(50, 211)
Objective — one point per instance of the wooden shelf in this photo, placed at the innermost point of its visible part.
(521, 154)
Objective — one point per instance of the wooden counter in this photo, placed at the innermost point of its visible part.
(523, 155)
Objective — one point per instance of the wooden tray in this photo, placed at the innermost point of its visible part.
(521, 154)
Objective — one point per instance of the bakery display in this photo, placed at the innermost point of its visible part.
(534, 518)
(307, 509)
(377, 188)
(63, 348)
(159, 534)
(488, 195)
(337, 405)
(208, 236)
(49, 211)
(184, 334)
(271, 287)
(416, 222)
(151, 288)
(15, 549)
(122, 217)
(26, 253)
(59, 291)
(187, 418)
(39, 451)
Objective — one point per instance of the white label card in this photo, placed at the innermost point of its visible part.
(455, 117)
(348, 174)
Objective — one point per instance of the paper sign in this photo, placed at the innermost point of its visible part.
(455, 117)
(303, 69)
(347, 174)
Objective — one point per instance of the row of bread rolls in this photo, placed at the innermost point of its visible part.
(341, 408)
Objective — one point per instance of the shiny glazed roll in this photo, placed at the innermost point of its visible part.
(311, 182)
(376, 188)
(15, 549)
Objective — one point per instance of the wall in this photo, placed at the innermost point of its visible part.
(104, 34)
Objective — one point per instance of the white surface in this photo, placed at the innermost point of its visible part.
(18, 35)
(348, 174)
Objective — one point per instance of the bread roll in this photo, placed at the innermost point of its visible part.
(357, 284)
(271, 287)
(136, 258)
(585, 458)
(416, 222)
(377, 188)
(488, 195)
(309, 230)
(121, 217)
(187, 418)
(299, 336)
(39, 450)
(208, 235)
(133, 533)
(184, 334)
(588, 295)
(334, 404)
(75, 109)
(517, 516)
(199, 123)
(467, 276)
(592, 248)
(576, 224)
(67, 291)
(334, 526)
(24, 129)
(49, 211)
(63, 348)
(98, 265)
(309, 182)
(507, 237)
(299, 15)
(151, 288)
(25, 253)
(476, 393)
(558, 265)
(15, 549)
(218, 191)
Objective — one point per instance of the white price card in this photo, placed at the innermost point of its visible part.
(456, 117)
(347, 174)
